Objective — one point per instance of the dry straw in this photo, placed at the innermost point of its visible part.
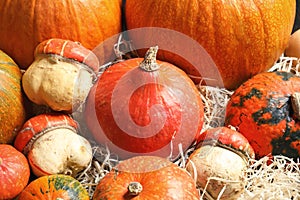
(279, 180)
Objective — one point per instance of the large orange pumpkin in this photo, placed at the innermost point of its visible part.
(244, 37)
(12, 110)
(25, 25)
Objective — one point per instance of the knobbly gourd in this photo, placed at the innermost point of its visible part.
(219, 162)
(61, 75)
(53, 146)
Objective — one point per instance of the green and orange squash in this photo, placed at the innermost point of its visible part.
(12, 110)
(265, 109)
(56, 186)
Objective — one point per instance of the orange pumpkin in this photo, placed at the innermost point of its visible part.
(25, 25)
(242, 37)
(265, 109)
(12, 111)
(144, 106)
(14, 171)
(54, 187)
(146, 177)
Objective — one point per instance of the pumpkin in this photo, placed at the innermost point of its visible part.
(52, 145)
(24, 26)
(12, 111)
(61, 75)
(219, 162)
(265, 110)
(242, 37)
(293, 48)
(144, 106)
(56, 186)
(14, 171)
(146, 177)
(296, 25)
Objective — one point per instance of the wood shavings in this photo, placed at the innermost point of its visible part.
(215, 101)
(286, 64)
(102, 163)
(279, 179)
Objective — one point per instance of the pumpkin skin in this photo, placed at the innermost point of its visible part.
(262, 110)
(24, 26)
(54, 187)
(136, 112)
(14, 171)
(242, 37)
(12, 111)
(160, 179)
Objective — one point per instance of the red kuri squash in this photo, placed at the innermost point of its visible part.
(144, 107)
(147, 177)
(14, 171)
(25, 25)
(12, 110)
(244, 37)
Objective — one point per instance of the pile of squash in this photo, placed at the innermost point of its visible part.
(71, 80)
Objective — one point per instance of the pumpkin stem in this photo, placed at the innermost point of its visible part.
(149, 63)
(135, 188)
(295, 99)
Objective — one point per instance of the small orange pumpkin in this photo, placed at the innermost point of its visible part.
(146, 177)
(14, 171)
(265, 109)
